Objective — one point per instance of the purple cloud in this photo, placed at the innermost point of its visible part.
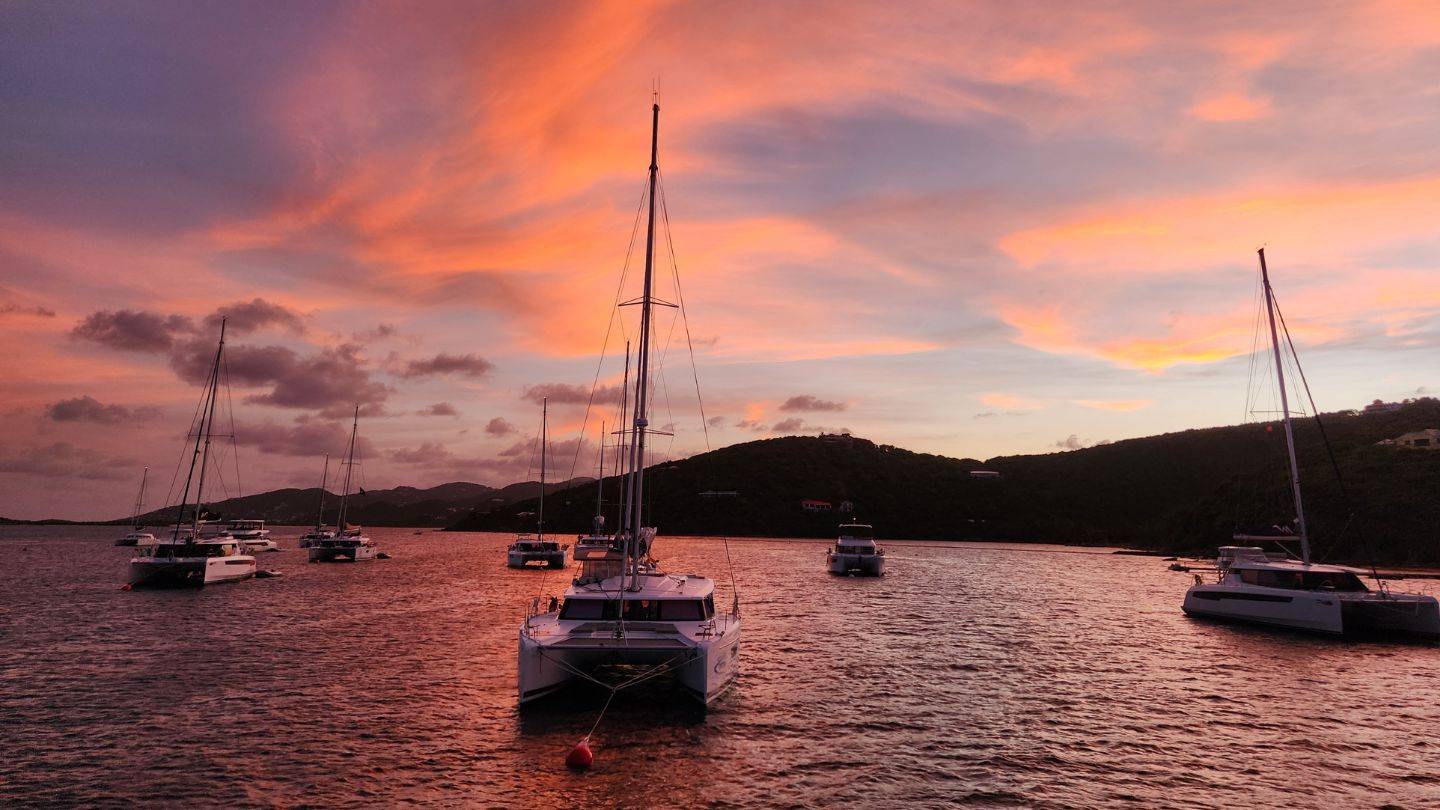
(463, 365)
(133, 331)
(806, 403)
(89, 409)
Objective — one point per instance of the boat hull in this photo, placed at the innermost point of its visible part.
(189, 572)
(343, 554)
(865, 565)
(259, 545)
(705, 668)
(1310, 611)
(553, 559)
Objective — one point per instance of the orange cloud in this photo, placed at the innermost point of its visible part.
(1121, 405)
(1009, 402)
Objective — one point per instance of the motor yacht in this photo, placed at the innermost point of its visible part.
(252, 535)
(855, 552)
(1276, 590)
(623, 620)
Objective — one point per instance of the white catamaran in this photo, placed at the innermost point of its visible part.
(195, 555)
(623, 613)
(527, 548)
(1278, 591)
(138, 536)
(347, 543)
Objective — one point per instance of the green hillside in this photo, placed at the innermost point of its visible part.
(1181, 491)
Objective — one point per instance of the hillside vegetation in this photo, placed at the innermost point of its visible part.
(1178, 492)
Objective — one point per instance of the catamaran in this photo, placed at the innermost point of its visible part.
(527, 548)
(193, 556)
(138, 536)
(1277, 590)
(319, 532)
(622, 612)
(347, 543)
(855, 552)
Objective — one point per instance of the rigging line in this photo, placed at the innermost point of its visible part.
(1325, 439)
(610, 325)
(684, 315)
(180, 459)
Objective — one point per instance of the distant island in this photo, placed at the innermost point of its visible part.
(1181, 492)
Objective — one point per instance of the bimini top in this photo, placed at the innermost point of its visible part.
(859, 531)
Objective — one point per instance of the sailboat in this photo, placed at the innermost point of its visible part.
(195, 555)
(527, 549)
(319, 532)
(622, 611)
(138, 536)
(1276, 590)
(347, 543)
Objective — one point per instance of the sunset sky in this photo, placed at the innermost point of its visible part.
(973, 229)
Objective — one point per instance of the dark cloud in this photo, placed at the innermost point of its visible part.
(806, 403)
(464, 365)
(438, 409)
(792, 425)
(346, 411)
(715, 421)
(89, 409)
(500, 427)
(753, 425)
(133, 331)
(244, 365)
(16, 309)
(244, 317)
(1071, 442)
(519, 460)
(563, 394)
(307, 439)
(333, 377)
(64, 460)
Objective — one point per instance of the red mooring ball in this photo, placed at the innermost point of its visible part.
(580, 757)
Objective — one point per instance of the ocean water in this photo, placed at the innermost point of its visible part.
(978, 675)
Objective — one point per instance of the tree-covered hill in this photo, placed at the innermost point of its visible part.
(1183, 491)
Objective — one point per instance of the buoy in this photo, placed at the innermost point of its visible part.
(581, 757)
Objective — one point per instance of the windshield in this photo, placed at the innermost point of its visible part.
(640, 610)
(1303, 580)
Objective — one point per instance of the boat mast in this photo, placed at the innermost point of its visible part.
(1285, 410)
(544, 429)
(349, 467)
(600, 484)
(140, 498)
(642, 366)
(324, 478)
(209, 426)
(623, 467)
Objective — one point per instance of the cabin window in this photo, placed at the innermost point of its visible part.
(682, 610)
(1333, 581)
(589, 609)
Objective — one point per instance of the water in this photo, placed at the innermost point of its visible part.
(971, 674)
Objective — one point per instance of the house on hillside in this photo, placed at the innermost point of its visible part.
(1428, 439)
(812, 505)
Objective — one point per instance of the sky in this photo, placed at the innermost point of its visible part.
(974, 229)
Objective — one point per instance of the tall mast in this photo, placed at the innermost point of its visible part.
(642, 367)
(349, 468)
(600, 483)
(209, 426)
(544, 430)
(1285, 409)
(140, 498)
(621, 448)
(324, 479)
